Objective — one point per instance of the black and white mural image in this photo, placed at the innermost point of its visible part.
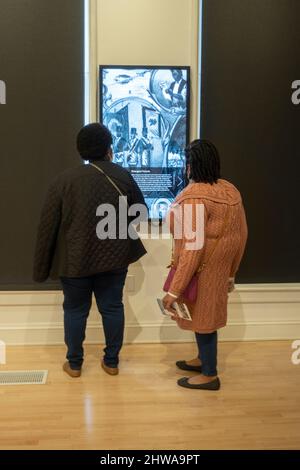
(147, 112)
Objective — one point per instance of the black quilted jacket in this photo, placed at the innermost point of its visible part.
(67, 244)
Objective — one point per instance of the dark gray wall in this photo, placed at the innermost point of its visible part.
(41, 61)
(250, 59)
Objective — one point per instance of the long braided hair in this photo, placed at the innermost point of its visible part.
(204, 161)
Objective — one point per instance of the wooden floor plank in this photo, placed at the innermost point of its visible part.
(258, 406)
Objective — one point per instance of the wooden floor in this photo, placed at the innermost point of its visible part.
(258, 406)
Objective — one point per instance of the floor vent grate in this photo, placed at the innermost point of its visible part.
(23, 377)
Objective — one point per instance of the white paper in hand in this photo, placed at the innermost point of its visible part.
(182, 311)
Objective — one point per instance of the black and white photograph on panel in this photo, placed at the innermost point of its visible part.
(147, 112)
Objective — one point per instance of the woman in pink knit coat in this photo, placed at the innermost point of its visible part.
(224, 228)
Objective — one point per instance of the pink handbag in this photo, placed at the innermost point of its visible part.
(191, 291)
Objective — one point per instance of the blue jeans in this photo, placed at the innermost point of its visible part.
(108, 290)
(207, 346)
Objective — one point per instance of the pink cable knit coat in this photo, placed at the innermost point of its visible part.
(209, 312)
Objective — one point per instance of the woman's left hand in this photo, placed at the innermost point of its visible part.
(168, 301)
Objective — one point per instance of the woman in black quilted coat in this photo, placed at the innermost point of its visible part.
(69, 246)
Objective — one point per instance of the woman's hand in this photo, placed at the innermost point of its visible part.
(231, 285)
(168, 301)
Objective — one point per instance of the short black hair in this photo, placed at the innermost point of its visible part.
(94, 141)
(204, 161)
(179, 71)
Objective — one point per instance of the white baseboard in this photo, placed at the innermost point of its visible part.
(256, 312)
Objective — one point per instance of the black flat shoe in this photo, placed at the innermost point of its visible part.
(214, 385)
(184, 366)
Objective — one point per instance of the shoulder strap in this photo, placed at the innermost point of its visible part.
(109, 179)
